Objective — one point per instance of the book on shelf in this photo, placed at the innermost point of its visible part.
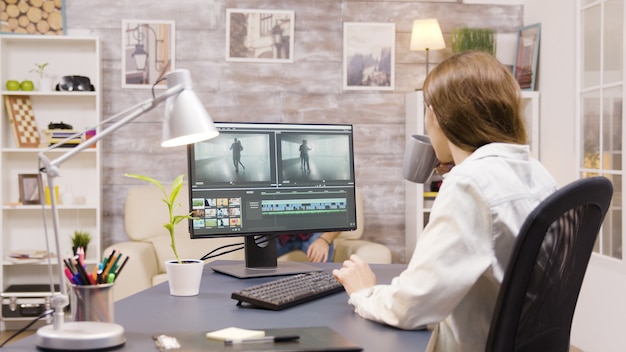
(56, 136)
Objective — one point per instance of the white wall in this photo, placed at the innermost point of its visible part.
(598, 321)
(496, 2)
(556, 81)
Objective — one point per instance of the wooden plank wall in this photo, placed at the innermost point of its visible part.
(309, 90)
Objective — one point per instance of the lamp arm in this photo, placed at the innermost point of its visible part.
(102, 123)
(51, 169)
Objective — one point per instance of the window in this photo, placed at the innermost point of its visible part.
(601, 109)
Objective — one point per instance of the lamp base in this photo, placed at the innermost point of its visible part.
(81, 336)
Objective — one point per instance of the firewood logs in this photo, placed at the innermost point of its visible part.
(32, 16)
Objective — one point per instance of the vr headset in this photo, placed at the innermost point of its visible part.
(75, 83)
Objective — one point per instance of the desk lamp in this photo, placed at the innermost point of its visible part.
(426, 35)
(186, 121)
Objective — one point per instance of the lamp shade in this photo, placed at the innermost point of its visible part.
(426, 35)
(186, 120)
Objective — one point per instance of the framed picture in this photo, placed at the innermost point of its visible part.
(148, 49)
(30, 185)
(34, 17)
(259, 35)
(369, 56)
(527, 56)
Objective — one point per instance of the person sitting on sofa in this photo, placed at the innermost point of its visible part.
(317, 246)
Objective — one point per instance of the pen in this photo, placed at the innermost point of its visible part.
(117, 273)
(265, 339)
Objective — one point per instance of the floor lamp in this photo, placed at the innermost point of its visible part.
(185, 122)
(426, 35)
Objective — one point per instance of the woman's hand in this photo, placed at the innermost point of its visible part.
(355, 275)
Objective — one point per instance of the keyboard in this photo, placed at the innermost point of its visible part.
(289, 291)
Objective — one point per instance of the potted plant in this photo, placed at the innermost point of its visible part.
(44, 82)
(481, 39)
(184, 275)
(80, 239)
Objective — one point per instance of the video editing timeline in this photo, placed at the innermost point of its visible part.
(217, 213)
(302, 206)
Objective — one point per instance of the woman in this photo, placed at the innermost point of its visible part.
(474, 120)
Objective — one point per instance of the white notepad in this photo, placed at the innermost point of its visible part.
(233, 333)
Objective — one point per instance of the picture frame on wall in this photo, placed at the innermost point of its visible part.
(259, 35)
(369, 56)
(148, 52)
(527, 56)
(43, 17)
(30, 186)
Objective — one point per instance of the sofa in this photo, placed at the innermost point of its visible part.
(148, 246)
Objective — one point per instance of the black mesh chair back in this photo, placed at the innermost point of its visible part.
(536, 302)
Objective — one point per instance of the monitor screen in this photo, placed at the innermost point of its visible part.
(259, 180)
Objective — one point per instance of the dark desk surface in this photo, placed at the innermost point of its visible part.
(156, 311)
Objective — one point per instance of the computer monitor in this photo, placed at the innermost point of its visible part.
(259, 180)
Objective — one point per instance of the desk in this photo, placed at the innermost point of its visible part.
(156, 311)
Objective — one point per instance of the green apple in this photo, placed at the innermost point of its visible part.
(27, 85)
(13, 85)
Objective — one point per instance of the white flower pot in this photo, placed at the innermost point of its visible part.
(45, 84)
(184, 279)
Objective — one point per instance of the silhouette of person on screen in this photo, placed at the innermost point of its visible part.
(304, 156)
(474, 120)
(317, 246)
(236, 147)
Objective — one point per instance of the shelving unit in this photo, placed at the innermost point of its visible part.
(79, 185)
(416, 214)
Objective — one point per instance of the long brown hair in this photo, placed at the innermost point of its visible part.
(477, 101)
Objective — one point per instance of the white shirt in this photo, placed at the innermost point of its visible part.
(459, 261)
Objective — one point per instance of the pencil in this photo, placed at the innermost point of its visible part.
(114, 266)
(117, 273)
(107, 267)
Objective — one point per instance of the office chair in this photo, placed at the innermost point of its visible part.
(537, 298)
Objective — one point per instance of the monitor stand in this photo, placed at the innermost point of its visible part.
(261, 261)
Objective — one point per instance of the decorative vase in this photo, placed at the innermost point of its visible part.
(184, 278)
(45, 84)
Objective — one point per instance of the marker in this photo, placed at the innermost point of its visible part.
(265, 339)
(69, 274)
(117, 272)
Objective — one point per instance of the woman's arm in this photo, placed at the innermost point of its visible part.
(453, 251)
(318, 250)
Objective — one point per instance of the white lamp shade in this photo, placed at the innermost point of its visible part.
(186, 120)
(426, 35)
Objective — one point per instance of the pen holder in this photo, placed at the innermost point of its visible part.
(92, 303)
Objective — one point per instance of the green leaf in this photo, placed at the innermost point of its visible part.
(170, 201)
